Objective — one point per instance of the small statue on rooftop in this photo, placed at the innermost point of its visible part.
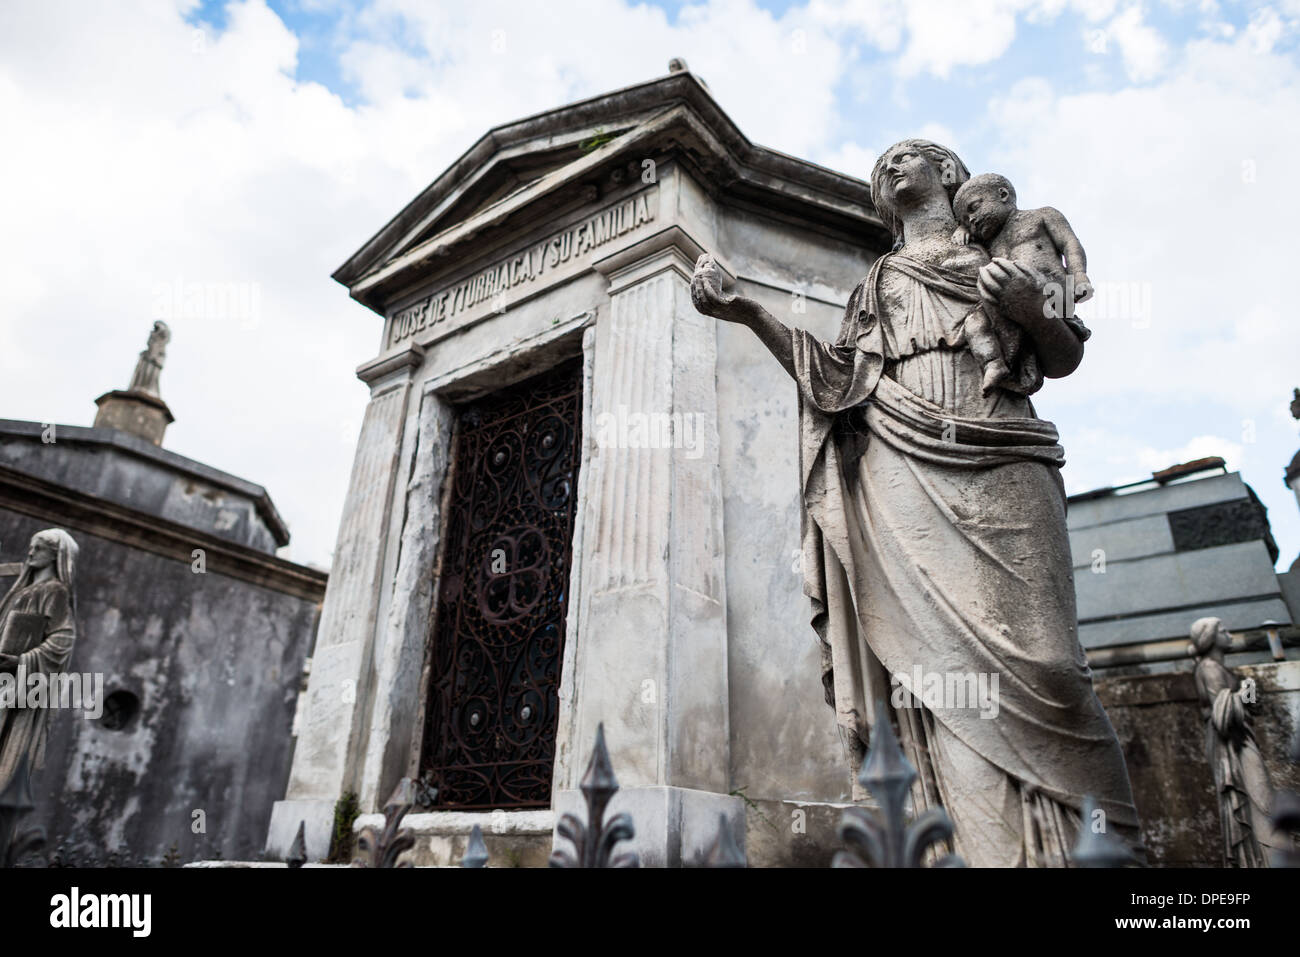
(150, 365)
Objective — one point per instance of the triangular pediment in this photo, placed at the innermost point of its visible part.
(533, 167)
(504, 175)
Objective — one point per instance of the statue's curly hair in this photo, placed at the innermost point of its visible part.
(952, 173)
(984, 181)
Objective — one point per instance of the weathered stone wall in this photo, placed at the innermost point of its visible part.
(208, 665)
(784, 744)
(128, 471)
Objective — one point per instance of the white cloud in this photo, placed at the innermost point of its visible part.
(933, 36)
(1142, 48)
(852, 158)
(1265, 29)
(1177, 186)
(146, 152)
(1116, 457)
(1200, 447)
(943, 35)
(497, 60)
(937, 36)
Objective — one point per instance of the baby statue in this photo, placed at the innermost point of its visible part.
(985, 208)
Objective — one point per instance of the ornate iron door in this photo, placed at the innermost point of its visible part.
(498, 635)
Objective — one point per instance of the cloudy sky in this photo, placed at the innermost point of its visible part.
(245, 149)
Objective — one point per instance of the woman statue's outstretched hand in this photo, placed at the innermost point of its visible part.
(709, 299)
(706, 291)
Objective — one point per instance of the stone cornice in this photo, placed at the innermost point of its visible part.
(79, 512)
(674, 114)
(377, 369)
(138, 447)
(673, 246)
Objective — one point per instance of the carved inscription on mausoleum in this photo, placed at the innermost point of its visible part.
(491, 286)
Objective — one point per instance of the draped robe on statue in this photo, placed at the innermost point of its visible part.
(934, 536)
(1241, 781)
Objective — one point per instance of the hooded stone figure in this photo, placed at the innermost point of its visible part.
(1241, 781)
(37, 631)
(149, 367)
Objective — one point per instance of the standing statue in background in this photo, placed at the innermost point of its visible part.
(934, 538)
(150, 365)
(140, 409)
(1241, 780)
(37, 631)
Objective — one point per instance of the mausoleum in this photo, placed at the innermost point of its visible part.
(550, 432)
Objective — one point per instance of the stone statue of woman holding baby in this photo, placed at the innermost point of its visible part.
(934, 512)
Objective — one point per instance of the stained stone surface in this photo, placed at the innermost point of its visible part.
(204, 668)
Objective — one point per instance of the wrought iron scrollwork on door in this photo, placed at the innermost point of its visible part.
(498, 638)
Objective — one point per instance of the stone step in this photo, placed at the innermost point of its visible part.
(513, 838)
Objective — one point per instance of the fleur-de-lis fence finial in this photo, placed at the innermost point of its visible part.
(725, 851)
(593, 842)
(891, 842)
(476, 854)
(297, 855)
(1095, 847)
(382, 849)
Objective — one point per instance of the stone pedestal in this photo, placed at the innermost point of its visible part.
(136, 412)
(512, 838)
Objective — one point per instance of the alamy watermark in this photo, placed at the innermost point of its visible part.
(1114, 301)
(625, 429)
(222, 301)
(64, 689)
(946, 690)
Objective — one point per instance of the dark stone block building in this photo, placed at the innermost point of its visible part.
(199, 631)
